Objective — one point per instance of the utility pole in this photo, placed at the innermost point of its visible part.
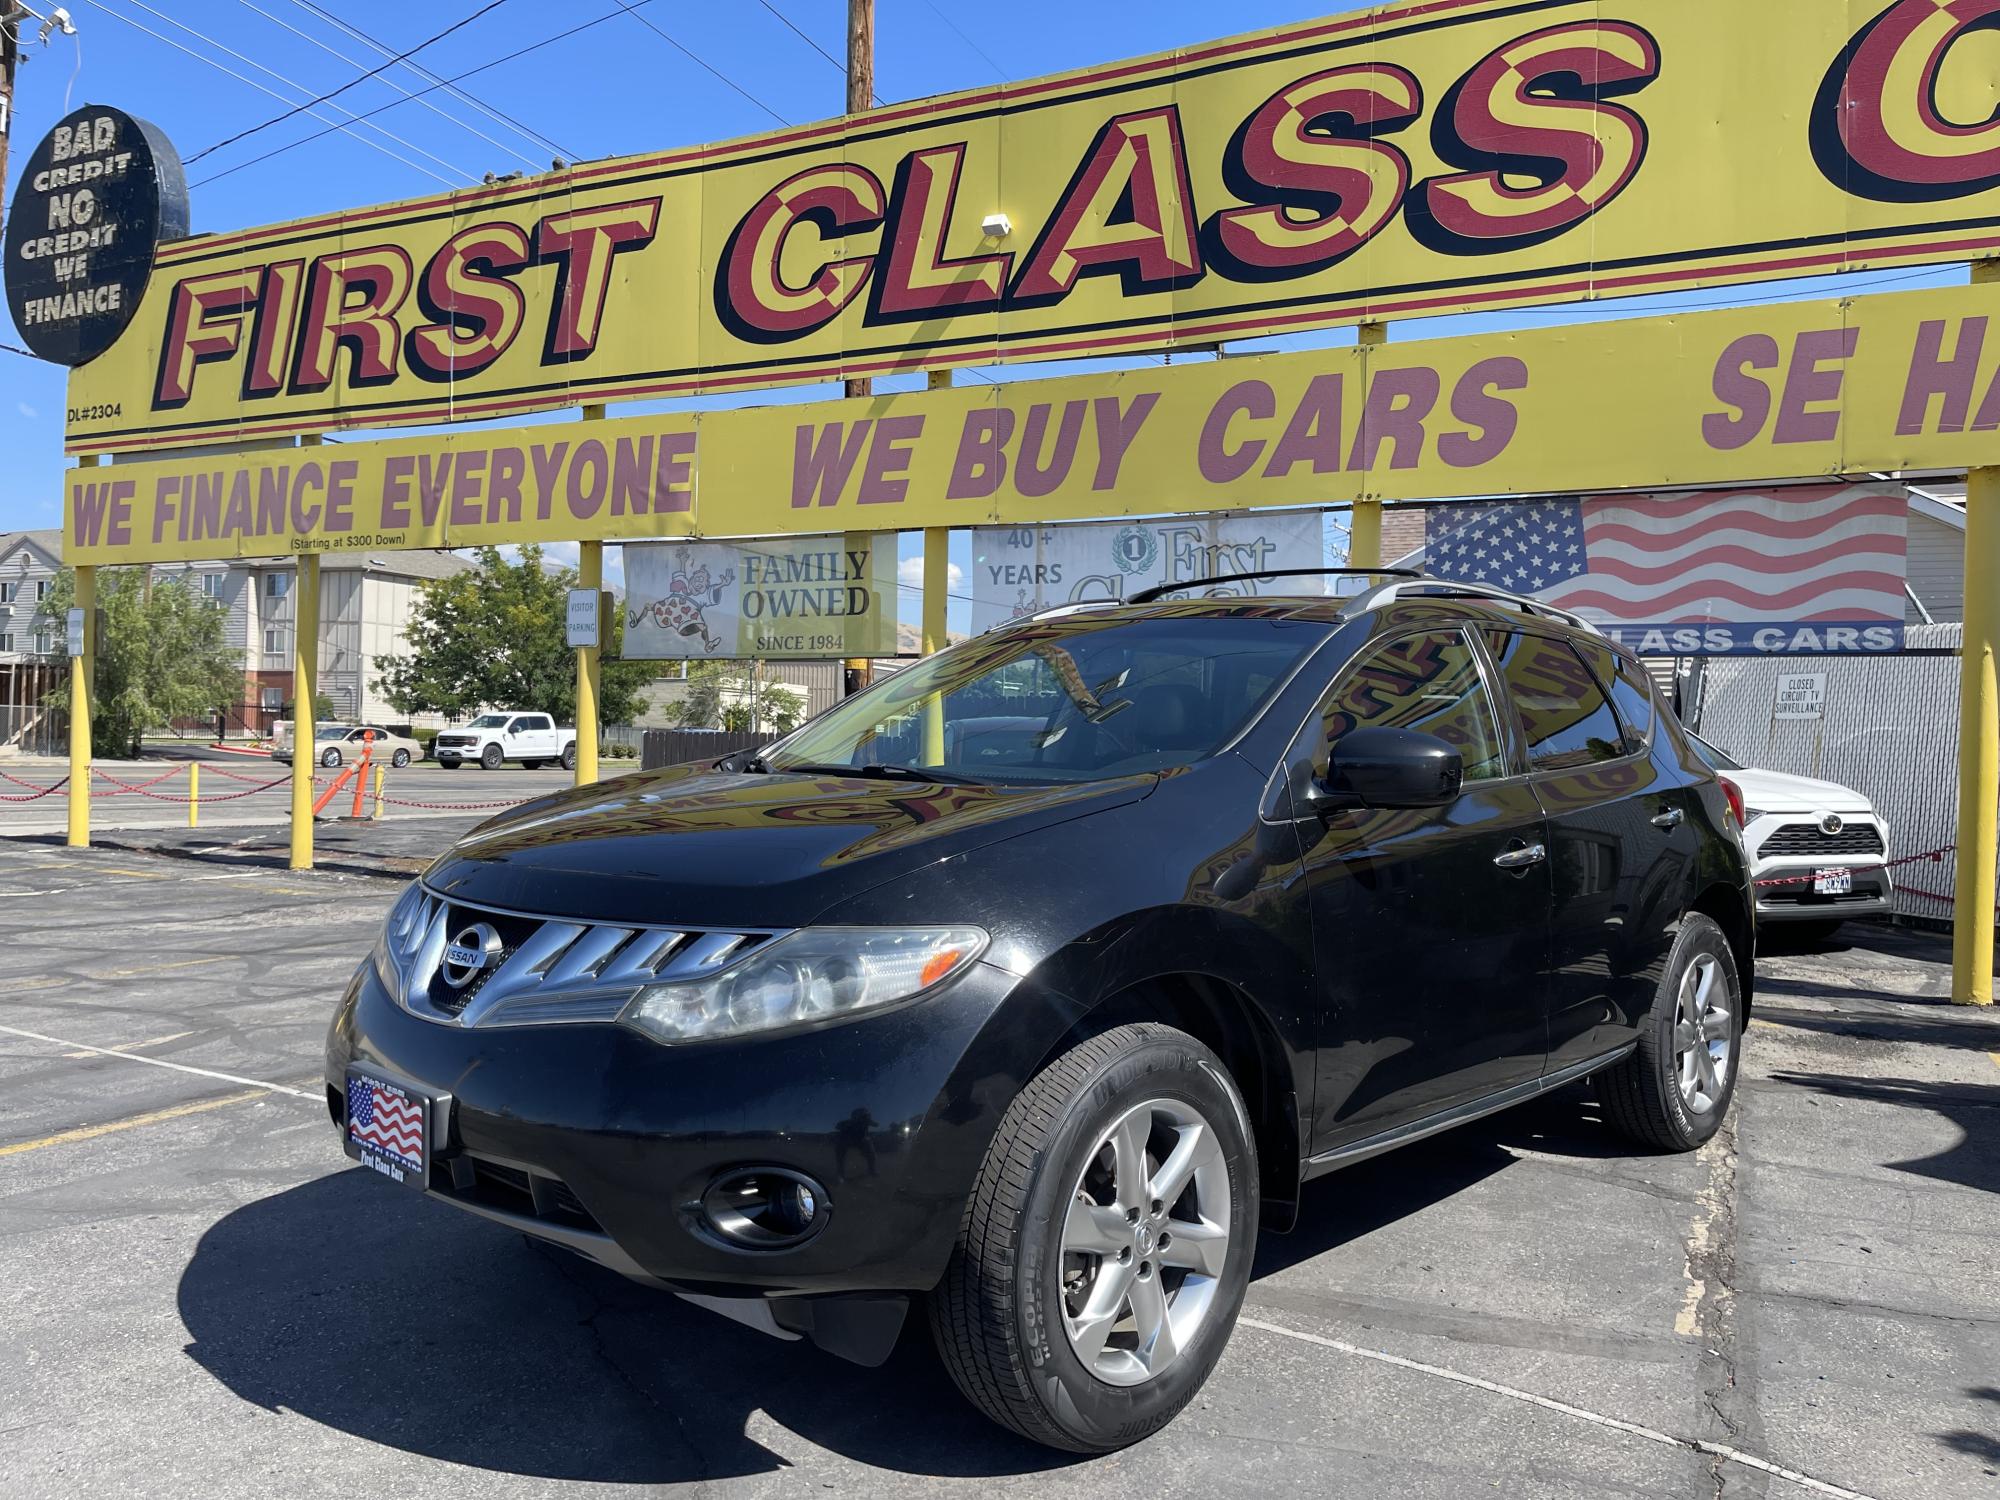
(860, 96)
(12, 14)
(860, 99)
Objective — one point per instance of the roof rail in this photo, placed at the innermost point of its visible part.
(1447, 588)
(1052, 611)
(1160, 591)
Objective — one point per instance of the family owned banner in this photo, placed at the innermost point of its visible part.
(817, 596)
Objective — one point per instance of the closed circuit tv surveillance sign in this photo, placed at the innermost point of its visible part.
(98, 194)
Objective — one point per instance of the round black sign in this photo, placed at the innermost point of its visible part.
(98, 194)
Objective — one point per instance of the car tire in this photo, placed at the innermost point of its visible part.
(1030, 1328)
(569, 757)
(490, 758)
(400, 759)
(331, 760)
(1662, 1095)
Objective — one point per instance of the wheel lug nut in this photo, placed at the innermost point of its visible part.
(1131, 1216)
(1165, 1239)
(1158, 1205)
(1125, 1256)
(1145, 1268)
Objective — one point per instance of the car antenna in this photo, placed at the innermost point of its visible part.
(1160, 591)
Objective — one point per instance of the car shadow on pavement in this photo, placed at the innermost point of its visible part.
(1973, 1107)
(411, 1324)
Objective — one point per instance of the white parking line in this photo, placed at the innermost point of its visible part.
(157, 1062)
(1513, 1393)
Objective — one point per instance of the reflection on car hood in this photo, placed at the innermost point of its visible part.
(1780, 791)
(717, 848)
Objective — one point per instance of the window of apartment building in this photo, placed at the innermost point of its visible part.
(6, 642)
(7, 591)
(277, 641)
(41, 589)
(44, 644)
(211, 586)
(277, 585)
(270, 699)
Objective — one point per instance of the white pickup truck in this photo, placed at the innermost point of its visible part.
(532, 739)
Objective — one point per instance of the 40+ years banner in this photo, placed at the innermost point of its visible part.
(816, 596)
(1734, 572)
(1390, 162)
(1017, 570)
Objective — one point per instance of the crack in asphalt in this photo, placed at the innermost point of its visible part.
(1711, 1313)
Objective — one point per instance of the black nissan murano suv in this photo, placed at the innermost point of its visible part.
(1031, 983)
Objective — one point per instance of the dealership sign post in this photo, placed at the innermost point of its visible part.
(1405, 160)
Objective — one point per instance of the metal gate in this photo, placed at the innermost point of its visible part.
(1888, 727)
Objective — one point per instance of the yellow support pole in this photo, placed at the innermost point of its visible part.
(1978, 745)
(194, 793)
(937, 581)
(589, 659)
(1364, 536)
(82, 696)
(305, 689)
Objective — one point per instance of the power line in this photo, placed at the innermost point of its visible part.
(293, 84)
(465, 96)
(459, 25)
(441, 113)
(998, 71)
(342, 126)
(306, 140)
(802, 36)
(633, 12)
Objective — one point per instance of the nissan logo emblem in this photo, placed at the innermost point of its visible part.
(466, 955)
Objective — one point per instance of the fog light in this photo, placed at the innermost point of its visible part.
(765, 1208)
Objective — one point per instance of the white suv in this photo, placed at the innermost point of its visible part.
(1818, 850)
(532, 739)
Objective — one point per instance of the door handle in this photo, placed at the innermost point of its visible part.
(1673, 817)
(1522, 858)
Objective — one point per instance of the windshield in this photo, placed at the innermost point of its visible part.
(1079, 698)
(1717, 761)
(490, 721)
(332, 731)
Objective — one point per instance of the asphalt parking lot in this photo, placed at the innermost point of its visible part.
(198, 1294)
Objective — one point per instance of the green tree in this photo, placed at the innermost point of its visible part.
(719, 696)
(160, 656)
(494, 637)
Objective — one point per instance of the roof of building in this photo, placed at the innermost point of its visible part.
(396, 564)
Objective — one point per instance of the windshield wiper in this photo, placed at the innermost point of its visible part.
(882, 771)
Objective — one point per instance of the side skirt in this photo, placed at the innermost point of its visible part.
(1460, 1114)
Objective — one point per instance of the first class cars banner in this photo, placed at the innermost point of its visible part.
(1384, 163)
(1786, 390)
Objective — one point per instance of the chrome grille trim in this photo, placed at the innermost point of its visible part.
(561, 972)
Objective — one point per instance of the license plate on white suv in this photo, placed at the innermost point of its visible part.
(1833, 882)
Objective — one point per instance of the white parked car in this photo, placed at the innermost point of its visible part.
(532, 739)
(1822, 844)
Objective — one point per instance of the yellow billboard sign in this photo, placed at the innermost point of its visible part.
(1790, 390)
(1408, 159)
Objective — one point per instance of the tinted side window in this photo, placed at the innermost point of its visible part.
(1565, 719)
(1427, 682)
(1630, 689)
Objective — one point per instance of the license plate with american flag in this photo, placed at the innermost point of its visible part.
(386, 1127)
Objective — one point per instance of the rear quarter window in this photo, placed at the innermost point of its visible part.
(1631, 691)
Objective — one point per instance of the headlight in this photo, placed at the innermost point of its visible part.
(817, 974)
(396, 938)
(1752, 814)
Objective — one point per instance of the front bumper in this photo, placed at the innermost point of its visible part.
(596, 1138)
(1785, 889)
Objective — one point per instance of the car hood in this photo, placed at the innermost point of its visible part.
(719, 848)
(1780, 791)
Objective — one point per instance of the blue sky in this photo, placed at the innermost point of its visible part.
(199, 70)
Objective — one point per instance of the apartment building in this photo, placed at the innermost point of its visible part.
(365, 604)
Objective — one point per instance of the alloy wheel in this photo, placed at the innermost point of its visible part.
(1704, 1035)
(1145, 1241)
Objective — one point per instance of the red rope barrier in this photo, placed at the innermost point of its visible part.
(36, 796)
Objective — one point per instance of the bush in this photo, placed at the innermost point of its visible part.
(619, 751)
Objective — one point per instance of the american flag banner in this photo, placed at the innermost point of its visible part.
(385, 1122)
(1799, 568)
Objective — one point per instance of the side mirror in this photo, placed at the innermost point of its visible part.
(1383, 767)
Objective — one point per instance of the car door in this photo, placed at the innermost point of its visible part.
(1428, 924)
(516, 741)
(1620, 841)
(546, 740)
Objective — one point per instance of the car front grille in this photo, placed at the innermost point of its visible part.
(542, 970)
(518, 1191)
(1809, 839)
